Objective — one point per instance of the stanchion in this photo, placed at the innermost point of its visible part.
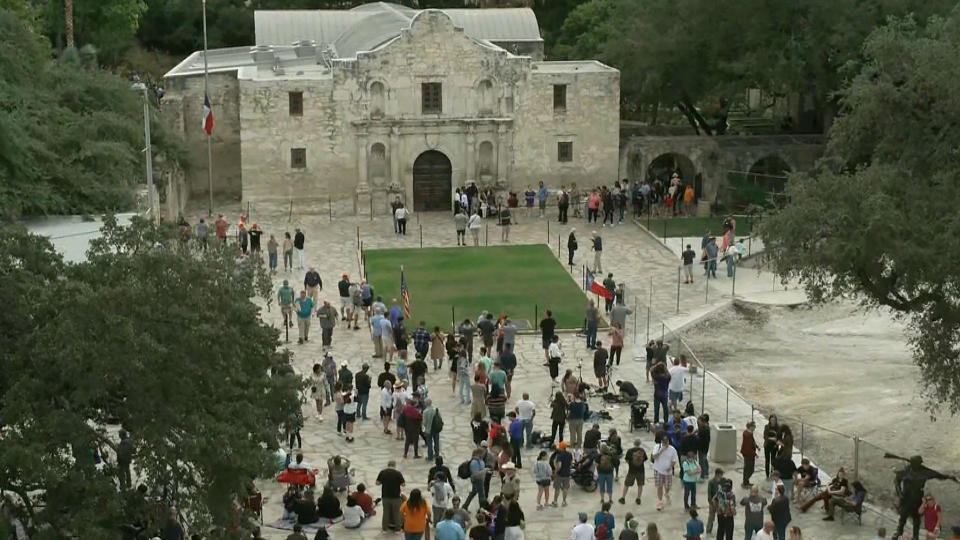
(733, 286)
(663, 330)
(421, 235)
(486, 234)
(453, 319)
(536, 315)
(560, 255)
(358, 237)
(664, 230)
(548, 231)
(635, 314)
(330, 209)
(649, 303)
(706, 285)
(703, 390)
(727, 415)
(679, 270)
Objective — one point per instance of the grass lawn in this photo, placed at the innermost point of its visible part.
(513, 279)
(693, 226)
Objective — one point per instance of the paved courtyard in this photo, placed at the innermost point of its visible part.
(632, 256)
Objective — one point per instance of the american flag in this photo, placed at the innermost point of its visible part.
(405, 293)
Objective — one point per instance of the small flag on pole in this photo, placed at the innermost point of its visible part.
(405, 293)
(597, 288)
(207, 115)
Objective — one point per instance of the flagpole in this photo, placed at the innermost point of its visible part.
(206, 95)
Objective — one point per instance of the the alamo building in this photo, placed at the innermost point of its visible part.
(358, 106)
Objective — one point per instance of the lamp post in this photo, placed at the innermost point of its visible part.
(140, 87)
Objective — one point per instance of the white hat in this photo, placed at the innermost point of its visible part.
(508, 466)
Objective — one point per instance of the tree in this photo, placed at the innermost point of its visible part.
(876, 219)
(167, 342)
(70, 134)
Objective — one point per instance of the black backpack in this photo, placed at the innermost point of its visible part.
(463, 471)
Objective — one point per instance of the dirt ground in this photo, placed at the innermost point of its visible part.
(840, 368)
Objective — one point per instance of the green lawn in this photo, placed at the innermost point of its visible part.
(514, 279)
(693, 226)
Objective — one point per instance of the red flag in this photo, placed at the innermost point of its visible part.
(598, 288)
(207, 115)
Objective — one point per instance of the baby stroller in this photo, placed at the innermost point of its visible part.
(638, 412)
(582, 473)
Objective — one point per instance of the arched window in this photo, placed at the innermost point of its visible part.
(486, 158)
(377, 99)
(487, 99)
(377, 162)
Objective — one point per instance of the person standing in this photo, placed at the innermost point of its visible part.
(432, 426)
(272, 253)
(571, 247)
(592, 315)
(313, 284)
(287, 252)
(597, 248)
(363, 384)
(636, 458)
(563, 203)
(610, 285)
(555, 355)
(255, 234)
(600, 357)
(125, 453)
(711, 252)
(691, 472)
(221, 227)
(466, 330)
(542, 198)
(515, 430)
(304, 307)
(463, 376)
(604, 522)
(753, 507)
(328, 319)
(298, 241)
(780, 512)
(547, 326)
(616, 342)
(726, 503)
(242, 237)
(526, 411)
(686, 259)
(506, 219)
(772, 432)
(391, 481)
(577, 413)
(401, 214)
(460, 224)
(583, 530)
(202, 233)
(664, 461)
(474, 224)
(930, 510)
(562, 462)
(593, 206)
(748, 449)
(619, 312)
(393, 213)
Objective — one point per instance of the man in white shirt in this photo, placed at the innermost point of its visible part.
(583, 530)
(474, 224)
(526, 410)
(401, 215)
(766, 533)
(678, 374)
(555, 354)
(664, 460)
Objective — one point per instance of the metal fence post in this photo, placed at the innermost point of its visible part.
(548, 232)
(728, 405)
(330, 208)
(733, 288)
(486, 234)
(751, 412)
(635, 315)
(802, 438)
(679, 269)
(358, 237)
(536, 315)
(453, 318)
(664, 229)
(703, 390)
(856, 457)
(706, 285)
(421, 235)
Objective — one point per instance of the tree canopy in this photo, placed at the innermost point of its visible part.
(877, 219)
(167, 342)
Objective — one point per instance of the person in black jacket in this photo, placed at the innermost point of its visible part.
(306, 510)
(703, 438)
(363, 383)
(571, 246)
(328, 506)
(298, 240)
(439, 467)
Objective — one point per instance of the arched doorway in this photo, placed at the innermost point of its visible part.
(664, 165)
(431, 182)
(771, 172)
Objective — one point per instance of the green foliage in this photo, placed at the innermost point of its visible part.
(168, 342)
(877, 219)
(109, 25)
(70, 135)
(551, 15)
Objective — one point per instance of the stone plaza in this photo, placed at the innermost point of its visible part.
(632, 256)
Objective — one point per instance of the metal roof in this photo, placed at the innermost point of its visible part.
(365, 27)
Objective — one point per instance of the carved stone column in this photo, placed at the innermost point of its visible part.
(362, 190)
(501, 154)
(470, 152)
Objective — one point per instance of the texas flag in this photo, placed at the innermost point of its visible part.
(597, 288)
(207, 115)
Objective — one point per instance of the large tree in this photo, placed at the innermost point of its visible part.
(877, 219)
(167, 342)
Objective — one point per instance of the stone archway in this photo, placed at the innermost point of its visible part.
(432, 182)
(771, 171)
(663, 166)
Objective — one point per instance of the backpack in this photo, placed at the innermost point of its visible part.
(636, 459)
(437, 426)
(602, 531)
(439, 494)
(463, 471)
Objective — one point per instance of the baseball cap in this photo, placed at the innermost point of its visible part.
(483, 444)
(562, 445)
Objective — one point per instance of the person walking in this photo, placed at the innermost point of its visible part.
(597, 248)
(547, 327)
(593, 206)
(221, 227)
(327, 315)
(255, 233)
(571, 247)
(478, 472)
(432, 426)
(298, 242)
(664, 461)
(287, 252)
(555, 355)
(304, 307)
(636, 459)
(202, 234)
(726, 503)
(526, 411)
(474, 224)
(272, 253)
(592, 315)
(416, 516)
(363, 384)
(753, 507)
(401, 214)
(686, 260)
(285, 297)
(313, 284)
(562, 462)
(515, 430)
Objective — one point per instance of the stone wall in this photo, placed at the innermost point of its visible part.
(183, 106)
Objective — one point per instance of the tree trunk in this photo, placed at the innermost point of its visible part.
(690, 118)
(68, 21)
(694, 117)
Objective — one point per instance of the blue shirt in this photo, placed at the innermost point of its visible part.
(694, 528)
(476, 466)
(304, 307)
(395, 314)
(449, 530)
(601, 517)
(375, 325)
(542, 195)
(516, 429)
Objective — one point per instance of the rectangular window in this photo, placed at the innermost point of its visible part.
(432, 97)
(564, 151)
(559, 98)
(298, 158)
(296, 103)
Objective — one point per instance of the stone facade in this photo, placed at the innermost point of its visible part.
(363, 122)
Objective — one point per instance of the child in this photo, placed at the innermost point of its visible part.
(542, 474)
(694, 527)
(402, 372)
(774, 482)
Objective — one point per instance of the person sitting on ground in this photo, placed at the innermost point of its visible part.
(290, 500)
(328, 506)
(353, 514)
(297, 533)
(628, 392)
(306, 509)
(300, 463)
(338, 472)
(364, 500)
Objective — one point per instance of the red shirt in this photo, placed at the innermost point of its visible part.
(364, 500)
(748, 447)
